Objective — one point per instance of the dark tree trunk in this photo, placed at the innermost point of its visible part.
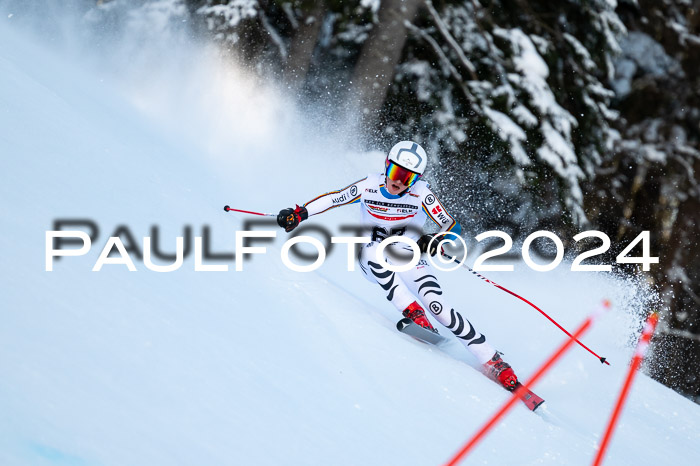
(676, 360)
(302, 45)
(380, 55)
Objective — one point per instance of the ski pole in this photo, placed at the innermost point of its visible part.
(605, 305)
(636, 362)
(602, 359)
(229, 209)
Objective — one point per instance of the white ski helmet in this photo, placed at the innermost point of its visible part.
(408, 155)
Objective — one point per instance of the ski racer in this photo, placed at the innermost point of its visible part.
(398, 202)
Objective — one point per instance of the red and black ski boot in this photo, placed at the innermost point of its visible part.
(417, 315)
(499, 370)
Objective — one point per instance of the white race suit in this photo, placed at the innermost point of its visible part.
(385, 215)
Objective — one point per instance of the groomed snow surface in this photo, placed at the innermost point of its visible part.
(264, 366)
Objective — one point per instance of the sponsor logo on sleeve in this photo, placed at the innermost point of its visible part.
(429, 199)
(353, 191)
(340, 199)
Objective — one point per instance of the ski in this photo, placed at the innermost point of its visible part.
(407, 326)
(530, 400)
(410, 328)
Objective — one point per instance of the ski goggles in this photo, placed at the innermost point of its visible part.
(397, 173)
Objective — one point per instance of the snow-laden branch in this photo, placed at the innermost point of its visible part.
(665, 329)
(445, 62)
(274, 35)
(689, 170)
(442, 27)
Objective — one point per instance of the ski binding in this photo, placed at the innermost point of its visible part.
(410, 328)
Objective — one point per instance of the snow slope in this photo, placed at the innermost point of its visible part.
(264, 366)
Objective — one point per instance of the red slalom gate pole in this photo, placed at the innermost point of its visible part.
(642, 346)
(479, 435)
(229, 209)
(503, 288)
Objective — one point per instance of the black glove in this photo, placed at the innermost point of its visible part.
(289, 218)
(426, 246)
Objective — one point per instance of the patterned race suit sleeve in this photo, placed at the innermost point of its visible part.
(348, 195)
(436, 212)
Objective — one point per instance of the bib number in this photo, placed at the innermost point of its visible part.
(379, 234)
